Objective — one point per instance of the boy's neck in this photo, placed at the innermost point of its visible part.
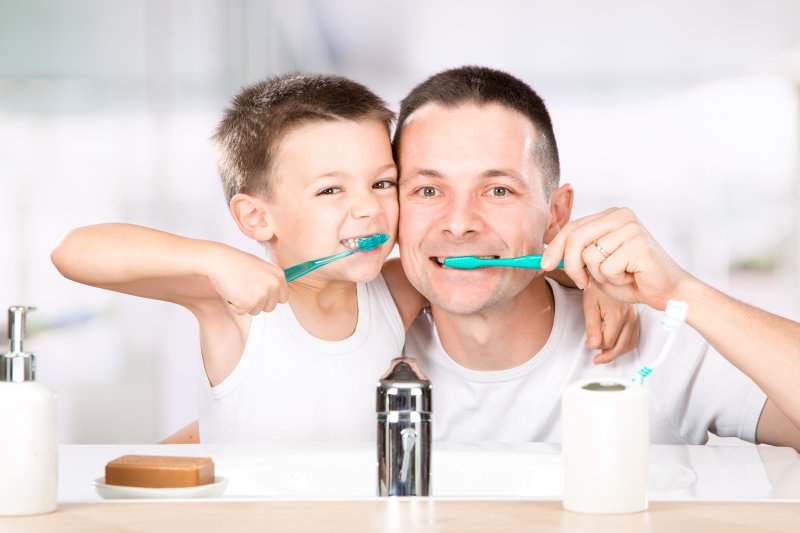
(326, 310)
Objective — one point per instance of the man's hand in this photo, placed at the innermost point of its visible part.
(617, 253)
(249, 284)
(611, 326)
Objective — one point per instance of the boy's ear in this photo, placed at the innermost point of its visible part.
(251, 215)
(560, 211)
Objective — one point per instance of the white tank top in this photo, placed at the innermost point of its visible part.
(291, 386)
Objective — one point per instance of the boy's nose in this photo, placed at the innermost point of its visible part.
(365, 205)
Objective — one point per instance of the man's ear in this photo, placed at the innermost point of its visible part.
(560, 211)
(252, 217)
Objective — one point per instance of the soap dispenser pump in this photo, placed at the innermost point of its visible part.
(28, 441)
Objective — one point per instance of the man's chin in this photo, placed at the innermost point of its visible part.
(466, 305)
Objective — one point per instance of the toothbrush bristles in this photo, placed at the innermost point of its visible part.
(373, 241)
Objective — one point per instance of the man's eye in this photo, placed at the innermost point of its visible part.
(500, 192)
(329, 191)
(428, 192)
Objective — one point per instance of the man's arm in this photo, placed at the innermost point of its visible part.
(764, 346)
(625, 262)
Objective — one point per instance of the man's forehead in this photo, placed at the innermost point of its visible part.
(439, 110)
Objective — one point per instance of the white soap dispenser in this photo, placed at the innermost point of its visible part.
(28, 441)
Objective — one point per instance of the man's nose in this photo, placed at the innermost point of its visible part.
(462, 215)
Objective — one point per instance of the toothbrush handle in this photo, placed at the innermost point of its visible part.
(292, 273)
(526, 261)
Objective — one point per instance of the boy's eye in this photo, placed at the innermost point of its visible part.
(499, 192)
(329, 191)
(427, 192)
(384, 184)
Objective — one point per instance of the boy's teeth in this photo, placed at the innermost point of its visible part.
(349, 243)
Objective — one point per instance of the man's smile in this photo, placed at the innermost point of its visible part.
(439, 260)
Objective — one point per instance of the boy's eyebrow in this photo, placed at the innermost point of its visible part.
(387, 166)
(339, 174)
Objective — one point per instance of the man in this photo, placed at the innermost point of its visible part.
(479, 175)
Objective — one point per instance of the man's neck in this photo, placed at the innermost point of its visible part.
(502, 337)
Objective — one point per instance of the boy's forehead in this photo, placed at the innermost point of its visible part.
(335, 145)
(328, 126)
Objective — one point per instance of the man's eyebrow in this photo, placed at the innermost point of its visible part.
(423, 172)
(486, 174)
(502, 173)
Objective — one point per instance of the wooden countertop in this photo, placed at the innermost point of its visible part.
(403, 515)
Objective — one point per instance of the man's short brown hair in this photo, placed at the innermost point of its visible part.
(258, 118)
(482, 85)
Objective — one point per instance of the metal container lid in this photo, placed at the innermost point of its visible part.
(17, 364)
(404, 388)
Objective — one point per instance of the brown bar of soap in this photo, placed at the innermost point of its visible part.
(159, 471)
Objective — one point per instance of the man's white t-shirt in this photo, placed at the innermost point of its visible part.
(695, 389)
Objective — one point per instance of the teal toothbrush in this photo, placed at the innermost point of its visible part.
(469, 262)
(365, 244)
(674, 315)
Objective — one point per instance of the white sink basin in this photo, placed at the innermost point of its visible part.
(350, 472)
(519, 471)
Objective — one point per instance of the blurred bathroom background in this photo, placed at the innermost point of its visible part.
(688, 112)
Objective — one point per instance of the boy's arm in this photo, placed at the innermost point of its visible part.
(408, 300)
(219, 284)
(155, 264)
(613, 327)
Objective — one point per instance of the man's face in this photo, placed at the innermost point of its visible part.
(469, 185)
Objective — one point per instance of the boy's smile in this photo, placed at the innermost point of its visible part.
(335, 182)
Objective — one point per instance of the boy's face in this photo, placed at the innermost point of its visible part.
(334, 182)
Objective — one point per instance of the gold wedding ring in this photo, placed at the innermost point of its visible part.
(601, 250)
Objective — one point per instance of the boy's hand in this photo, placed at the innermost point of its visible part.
(611, 326)
(249, 284)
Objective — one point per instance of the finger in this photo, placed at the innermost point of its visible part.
(621, 247)
(584, 235)
(613, 323)
(593, 258)
(237, 309)
(628, 338)
(283, 292)
(619, 348)
(556, 248)
(594, 332)
(270, 304)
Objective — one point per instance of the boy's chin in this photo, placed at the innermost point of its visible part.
(361, 275)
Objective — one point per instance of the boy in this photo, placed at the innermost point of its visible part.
(307, 168)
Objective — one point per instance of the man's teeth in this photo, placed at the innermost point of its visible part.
(440, 260)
